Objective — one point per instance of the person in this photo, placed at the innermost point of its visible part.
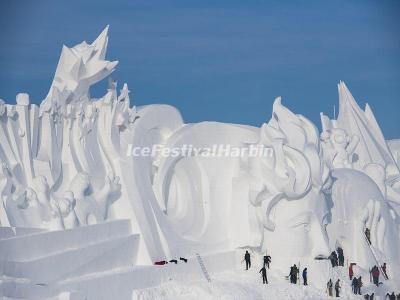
(368, 235)
(340, 256)
(375, 275)
(305, 276)
(263, 271)
(329, 287)
(267, 261)
(391, 296)
(351, 272)
(372, 296)
(384, 271)
(247, 259)
(296, 274)
(354, 285)
(337, 288)
(334, 259)
(359, 285)
(293, 274)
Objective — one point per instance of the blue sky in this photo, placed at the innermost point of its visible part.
(217, 60)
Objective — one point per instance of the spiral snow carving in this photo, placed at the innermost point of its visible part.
(76, 161)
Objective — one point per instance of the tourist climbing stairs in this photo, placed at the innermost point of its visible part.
(376, 257)
(203, 267)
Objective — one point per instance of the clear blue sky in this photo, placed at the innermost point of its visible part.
(217, 60)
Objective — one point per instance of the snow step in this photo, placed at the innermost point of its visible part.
(203, 267)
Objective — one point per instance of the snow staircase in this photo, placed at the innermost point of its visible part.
(203, 267)
(375, 255)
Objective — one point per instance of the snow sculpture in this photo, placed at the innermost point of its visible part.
(67, 209)
(339, 147)
(288, 189)
(79, 68)
(359, 204)
(93, 209)
(44, 149)
(69, 163)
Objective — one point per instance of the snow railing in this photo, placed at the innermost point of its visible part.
(203, 267)
(378, 264)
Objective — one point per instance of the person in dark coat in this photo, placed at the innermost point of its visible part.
(267, 261)
(305, 276)
(384, 270)
(354, 285)
(391, 296)
(369, 297)
(334, 259)
(293, 274)
(337, 288)
(359, 285)
(247, 260)
(263, 272)
(340, 256)
(368, 235)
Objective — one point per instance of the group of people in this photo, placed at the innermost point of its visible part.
(294, 272)
(356, 285)
(263, 271)
(330, 286)
(392, 296)
(337, 257)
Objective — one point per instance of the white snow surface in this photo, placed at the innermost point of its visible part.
(242, 285)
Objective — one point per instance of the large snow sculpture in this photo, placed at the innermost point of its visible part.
(288, 190)
(44, 151)
(70, 163)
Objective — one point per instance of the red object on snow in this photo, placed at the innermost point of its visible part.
(160, 263)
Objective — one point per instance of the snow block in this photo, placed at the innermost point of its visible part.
(9, 232)
(26, 248)
(98, 257)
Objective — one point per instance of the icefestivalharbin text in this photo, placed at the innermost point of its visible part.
(189, 150)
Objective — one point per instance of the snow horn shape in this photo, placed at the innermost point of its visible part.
(79, 67)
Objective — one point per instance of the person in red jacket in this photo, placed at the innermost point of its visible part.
(351, 273)
(375, 275)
